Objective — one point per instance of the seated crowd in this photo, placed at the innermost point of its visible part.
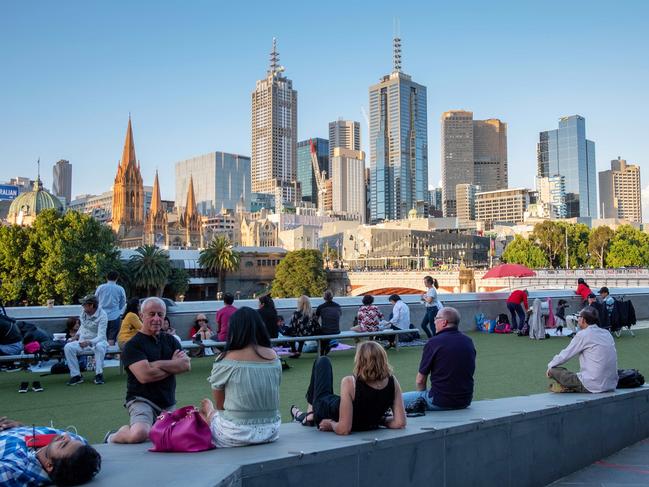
(246, 376)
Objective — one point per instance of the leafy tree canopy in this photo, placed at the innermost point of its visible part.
(300, 272)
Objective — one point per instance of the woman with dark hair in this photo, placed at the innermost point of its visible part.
(131, 322)
(400, 319)
(583, 290)
(365, 397)
(268, 314)
(245, 382)
(368, 316)
(72, 325)
(432, 304)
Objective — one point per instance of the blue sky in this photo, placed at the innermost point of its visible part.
(72, 71)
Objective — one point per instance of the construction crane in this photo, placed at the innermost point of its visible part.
(320, 179)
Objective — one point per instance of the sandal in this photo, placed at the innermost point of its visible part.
(302, 417)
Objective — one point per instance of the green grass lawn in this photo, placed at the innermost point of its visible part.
(506, 366)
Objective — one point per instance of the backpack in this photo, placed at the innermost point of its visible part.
(502, 328)
(629, 378)
(525, 331)
(410, 337)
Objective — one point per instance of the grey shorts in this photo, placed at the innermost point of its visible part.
(143, 411)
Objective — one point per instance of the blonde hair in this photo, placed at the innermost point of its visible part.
(371, 362)
(304, 305)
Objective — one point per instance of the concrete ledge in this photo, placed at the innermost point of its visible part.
(518, 441)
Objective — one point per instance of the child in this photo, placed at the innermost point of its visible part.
(560, 315)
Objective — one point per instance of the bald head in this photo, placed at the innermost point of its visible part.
(447, 317)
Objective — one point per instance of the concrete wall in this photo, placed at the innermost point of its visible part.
(525, 441)
(469, 304)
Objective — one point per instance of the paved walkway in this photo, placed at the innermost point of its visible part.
(628, 468)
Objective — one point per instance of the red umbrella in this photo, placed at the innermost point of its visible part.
(509, 270)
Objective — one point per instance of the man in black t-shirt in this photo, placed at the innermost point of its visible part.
(152, 359)
(329, 313)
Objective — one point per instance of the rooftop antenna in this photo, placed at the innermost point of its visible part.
(396, 48)
(274, 58)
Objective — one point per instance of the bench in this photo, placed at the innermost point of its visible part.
(26, 358)
(509, 442)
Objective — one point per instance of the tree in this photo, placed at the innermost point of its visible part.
(551, 238)
(178, 281)
(522, 251)
(599, 243)
(149, 269)
(60, 257)
(220, 259)
(629, 248)
(300, 272)
(578, 235)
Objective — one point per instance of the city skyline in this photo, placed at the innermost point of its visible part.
(77, 110)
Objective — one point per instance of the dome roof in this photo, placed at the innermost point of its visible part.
(34, 202)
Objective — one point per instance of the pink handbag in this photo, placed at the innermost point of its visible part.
(182, 430)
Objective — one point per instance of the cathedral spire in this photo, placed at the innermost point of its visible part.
(156, 201)
(128, 155)
(190, 207)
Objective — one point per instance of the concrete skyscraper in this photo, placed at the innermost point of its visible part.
(566, 151)
(345, 134)
(457, 156)
(490, 154)
(62, 180)
(620, 192)
(274, 133)
(473, 152)
(398, 144)
(348, 183)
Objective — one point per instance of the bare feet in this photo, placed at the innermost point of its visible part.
(207, 410)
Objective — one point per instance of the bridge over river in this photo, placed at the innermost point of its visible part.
(388, 282)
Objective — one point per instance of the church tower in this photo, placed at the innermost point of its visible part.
(155, 228)
(191, 220)
(128, 191)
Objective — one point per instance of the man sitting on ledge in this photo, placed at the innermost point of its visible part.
(597, 359)
(61, 458)
(449, 359)
(152, 360)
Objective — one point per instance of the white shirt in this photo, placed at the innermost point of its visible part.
(431, 292)
(597, 358)
(401, 315)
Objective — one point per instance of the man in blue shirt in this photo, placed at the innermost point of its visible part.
(65, 460)
(112, 299)
(449, 360)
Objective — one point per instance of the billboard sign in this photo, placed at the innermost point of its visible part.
(8, 192)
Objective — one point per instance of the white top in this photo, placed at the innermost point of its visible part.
(400, 315)
(431, 292)
(597, 358)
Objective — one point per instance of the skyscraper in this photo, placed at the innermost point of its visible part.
(566, 151)
(490, 154)
(465, 197)
(221, 181)
(473, 152)
(398, 143)
(62, 180)
(620, 192)
(457, 156)
(305, 174)
(348, 183)
(274, 132)
(345, 134)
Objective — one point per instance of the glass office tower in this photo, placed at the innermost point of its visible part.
(398, 144)
(566, 152)
(305, 170)
(220, 180)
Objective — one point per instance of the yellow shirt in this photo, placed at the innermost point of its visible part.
(131, 324)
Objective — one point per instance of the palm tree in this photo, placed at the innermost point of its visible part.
(150, 267)
(219, 258)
